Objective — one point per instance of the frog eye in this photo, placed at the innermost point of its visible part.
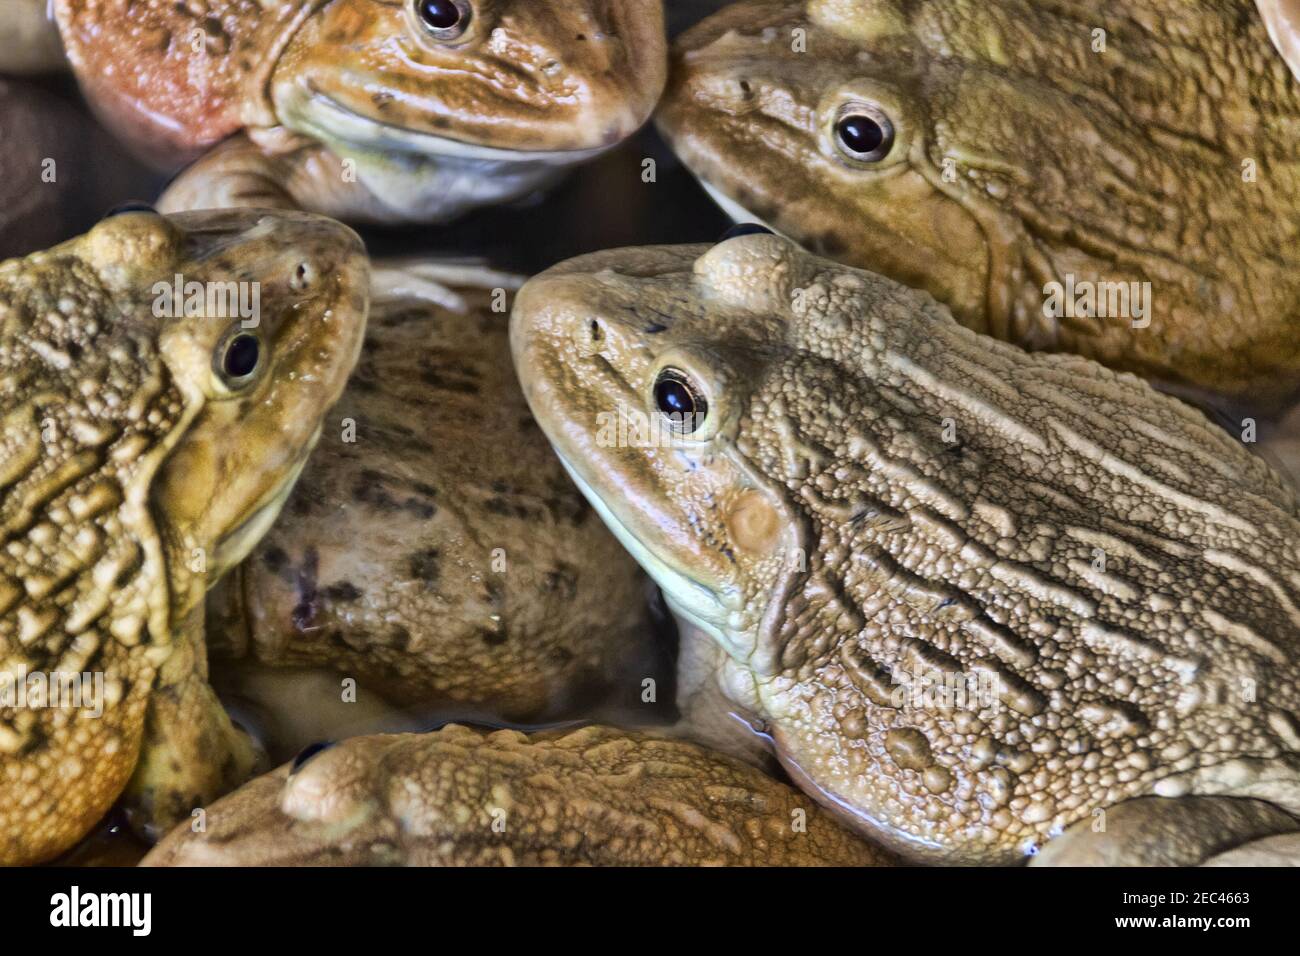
(238, 359)
(680, 402)
(444, 19)
(131, 205)
(308, 752)
(863, 133)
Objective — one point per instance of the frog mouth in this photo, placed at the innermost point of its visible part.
(235, 546)
(735, 210)
(322, 116)
(693, 600)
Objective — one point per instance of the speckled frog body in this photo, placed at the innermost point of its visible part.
(976, 596)
(434, 549)
(366, 110)
(148, 441)
(1113, 179)
(463, 797)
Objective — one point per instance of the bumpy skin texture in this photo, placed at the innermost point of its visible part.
(131, 476)
(1021, 157)
(353, 108)
(442, 557)
(877, 496)
(460, 797)
(174, 78)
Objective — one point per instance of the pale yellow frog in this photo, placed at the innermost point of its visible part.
(462, 797)
(979, 599)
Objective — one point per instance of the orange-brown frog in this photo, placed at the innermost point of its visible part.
(366, 110)
(1115, 178)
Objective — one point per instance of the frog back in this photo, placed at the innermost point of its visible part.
(1034, 586)
(87, 411)
(1123, 143)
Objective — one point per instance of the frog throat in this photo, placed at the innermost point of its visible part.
(691, 600)
(321, 116)
(236, 545)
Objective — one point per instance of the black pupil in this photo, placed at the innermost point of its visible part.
(440, 14)
(861, 134)
(241, 356)
(674, 399)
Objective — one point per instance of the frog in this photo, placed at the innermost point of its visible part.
(152, 428)
(369, 111)
(1114, 179)
(434, 550)
(980, 600)
(466, 796)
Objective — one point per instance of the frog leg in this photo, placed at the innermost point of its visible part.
(236, 173)
(708, 716)
(191, 752)
(1282, 19)
(435, 280)
(33, 44)
(1175, 831)
(274, 169)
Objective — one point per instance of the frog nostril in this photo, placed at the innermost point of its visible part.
(308, 752)
(746, 229)
(597, 333)
(304, 277)
(746, 91)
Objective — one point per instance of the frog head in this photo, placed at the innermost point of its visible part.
(418, 89)
(259, 319)
(652, 372)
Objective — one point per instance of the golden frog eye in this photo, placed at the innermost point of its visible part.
(444, 19)
(679, 401)
(238, 359)
(864, 133)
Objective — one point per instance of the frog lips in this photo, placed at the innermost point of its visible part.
(690, 598)
(329, 120)
(236, 545)
(735, 210)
